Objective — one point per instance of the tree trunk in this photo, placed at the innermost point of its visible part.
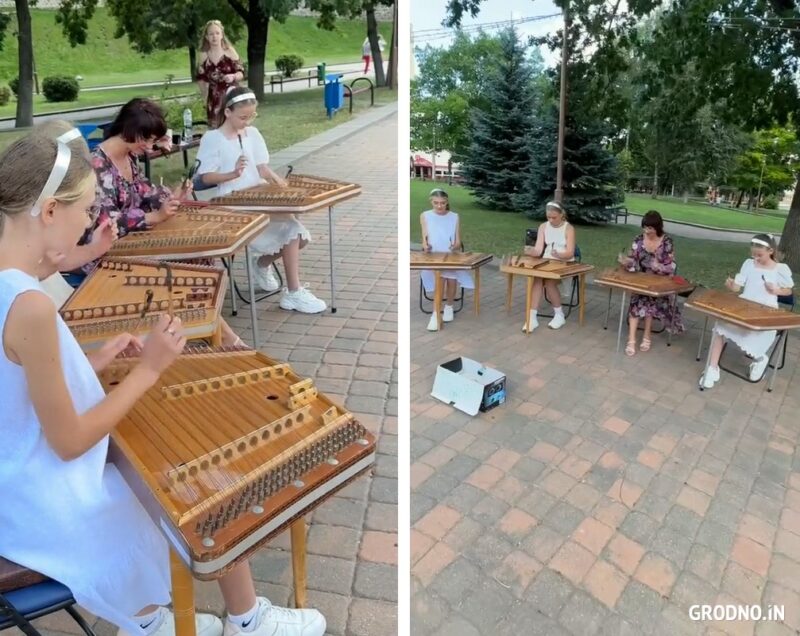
(193, 62)
(790, 239)
(257, 32)
(686, 196)
(25, 44)
(739, 199)
(391, 80)
(655, 180)
(377, 56)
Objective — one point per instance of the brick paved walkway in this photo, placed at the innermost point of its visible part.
(608, 494)
(352, 356)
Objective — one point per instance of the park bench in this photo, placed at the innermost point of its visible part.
(350, 91)
(280, 80)
(619, 211)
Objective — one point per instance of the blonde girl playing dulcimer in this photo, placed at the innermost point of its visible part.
(555, 240)
(441, 232)
(66, 511)
(761, 279)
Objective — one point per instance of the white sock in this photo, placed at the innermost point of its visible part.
(533, 314)
(558, 311)
(150, 622)
(247, 620)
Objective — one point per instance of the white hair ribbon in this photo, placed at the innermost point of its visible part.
(240, 98)
(70, 135)
(57, 174)
(757, 241)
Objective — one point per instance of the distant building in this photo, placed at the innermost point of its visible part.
(423, 167)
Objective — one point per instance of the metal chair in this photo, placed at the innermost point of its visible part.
(423, 296)
(26, 595)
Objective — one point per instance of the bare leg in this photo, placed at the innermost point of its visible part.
(450, 288)
(537, 293)
(633, 325)
(237, 589)
(290, 253)
(553, 293)
(229, 337)
(648, 329)
(717, 344)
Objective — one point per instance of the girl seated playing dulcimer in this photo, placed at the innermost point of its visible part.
(761, 279)
(441, 232)
(554, 240)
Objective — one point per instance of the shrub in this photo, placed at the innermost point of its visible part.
(5, 95)
(288, 64)
(770, 202)
(173, 111)
(60, 88)
(14, 85)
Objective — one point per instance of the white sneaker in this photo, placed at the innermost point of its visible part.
(433, 323)
(709, 378)
(206, 624)
(266, 279)
(280, 621)
(557, 322)
(534, 322)
(758, 367)
(447, 314)
(302, 300)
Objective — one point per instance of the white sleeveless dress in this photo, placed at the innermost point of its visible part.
(752, 279)
(441, 233)
(74, 521)
(555, 237)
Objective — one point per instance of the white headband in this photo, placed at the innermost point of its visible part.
(70, 135)
(57, 174)
(240, 98)
(758, 241)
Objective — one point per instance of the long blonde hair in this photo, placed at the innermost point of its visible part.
(204, 45)
(25, 166)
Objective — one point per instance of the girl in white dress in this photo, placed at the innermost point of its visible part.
(66, 512)
(555, 240)
(234, 157)
(761, 279)
(441, 232)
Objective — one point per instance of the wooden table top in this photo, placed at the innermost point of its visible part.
(449, 260)
(644, 283)
(524, 265)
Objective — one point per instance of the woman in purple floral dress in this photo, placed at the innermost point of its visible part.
(652, 252)
(219, 68)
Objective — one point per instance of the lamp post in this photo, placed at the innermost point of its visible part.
(435, 125)
(562, 110)
(761, 178)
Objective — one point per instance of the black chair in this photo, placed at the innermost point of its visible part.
(531, 234)
(26, 595)
(423, 296)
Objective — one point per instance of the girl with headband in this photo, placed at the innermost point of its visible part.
(761, 279)
(441, 232)
(54, 471)
(234, 157)
(555, 240)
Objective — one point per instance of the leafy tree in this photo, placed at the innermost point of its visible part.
(591, 173)
(498, 151)
(372, 35)
(770, 163)
(171, 24)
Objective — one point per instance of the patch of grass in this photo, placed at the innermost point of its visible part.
(499, 233)
(285, 120)
(676, 210)
(105, 59)
(100, 98)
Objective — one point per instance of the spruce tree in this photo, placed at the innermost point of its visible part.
(591, 173)
(498, 151)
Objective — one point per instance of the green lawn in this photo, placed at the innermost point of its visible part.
(484, 230)
(700, 214)
(105, 59)
(100, 98)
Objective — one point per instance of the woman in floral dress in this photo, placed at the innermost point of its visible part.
(652, 252)
(218, 69)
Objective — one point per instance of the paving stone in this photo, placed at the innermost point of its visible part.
(548, 593)
(377, 581)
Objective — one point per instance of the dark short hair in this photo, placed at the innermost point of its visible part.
(138, 119)
(653, 219)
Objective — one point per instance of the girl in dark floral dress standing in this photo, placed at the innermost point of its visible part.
(652, 252)
(218, 69)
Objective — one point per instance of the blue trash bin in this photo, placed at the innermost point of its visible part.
(334, 93)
